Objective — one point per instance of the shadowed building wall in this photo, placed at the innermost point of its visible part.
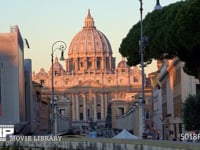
(12, 96)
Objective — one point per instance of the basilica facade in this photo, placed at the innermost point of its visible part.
(90, 79)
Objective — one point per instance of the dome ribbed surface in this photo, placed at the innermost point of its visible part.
(89, 41)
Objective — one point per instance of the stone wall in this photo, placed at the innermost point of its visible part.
(105, 144)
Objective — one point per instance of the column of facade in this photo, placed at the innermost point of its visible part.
(103, 63)
(102, 106)
(106, 104)
(77, 107)
(66, 62)
(95, 108)
(117, 83)
(73, 108)
(76, 64)
(68, 65)
(85, 63)
(84, 108)
(95, 63)
(129, 78)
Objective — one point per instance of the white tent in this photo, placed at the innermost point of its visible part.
(124, 134)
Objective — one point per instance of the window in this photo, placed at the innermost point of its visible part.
(147, 114)
(42, 82)
(98, 63)
(89, 64)
(81, 116)
(135, 79)
(99, 116)
(88, 113)
(63, 112)
(121, 110)
(81, 64)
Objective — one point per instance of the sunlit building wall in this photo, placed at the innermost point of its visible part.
(176, 86)
(157, 102)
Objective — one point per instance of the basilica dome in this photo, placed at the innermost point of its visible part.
(57, 67)
(89, 42)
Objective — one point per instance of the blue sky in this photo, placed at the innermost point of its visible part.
(43, 22)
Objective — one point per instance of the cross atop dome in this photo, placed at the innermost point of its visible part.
(89, 22)
(89, 15)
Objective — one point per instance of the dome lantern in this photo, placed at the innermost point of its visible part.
(89, 22)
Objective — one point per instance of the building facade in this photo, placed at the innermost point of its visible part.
(157, 102)
(12, 89)
(90, 80)
(176, 85)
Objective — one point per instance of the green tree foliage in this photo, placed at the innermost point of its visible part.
(191, 113)
(174, 30)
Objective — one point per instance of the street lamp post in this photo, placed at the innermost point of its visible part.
(58, 45)
(158, 6)
(142, 45)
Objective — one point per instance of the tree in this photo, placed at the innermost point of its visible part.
(174, 30)
(191, 112)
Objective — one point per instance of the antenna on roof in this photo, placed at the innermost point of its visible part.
(27, 44)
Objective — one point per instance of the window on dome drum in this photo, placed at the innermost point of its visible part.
(81, 64)
(98, 63)
(121, 81)
(89, 64)
(71, 66)
(79, 81)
